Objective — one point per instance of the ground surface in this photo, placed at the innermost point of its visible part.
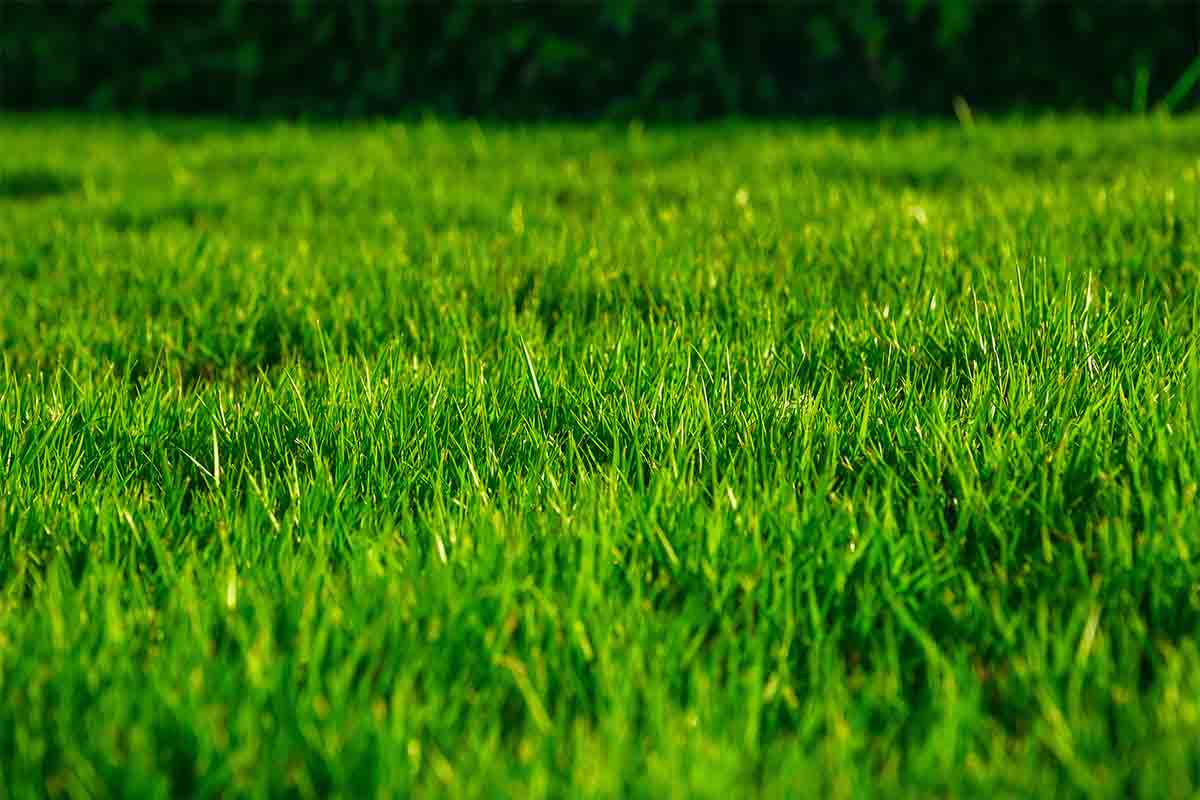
(804, 461)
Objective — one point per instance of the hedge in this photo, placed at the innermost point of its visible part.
(618, 58)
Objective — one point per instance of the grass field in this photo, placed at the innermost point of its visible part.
(433, 459)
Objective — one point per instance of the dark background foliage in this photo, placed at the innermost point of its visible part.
(682, 59)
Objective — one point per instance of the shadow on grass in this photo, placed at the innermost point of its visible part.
(192, 215)
(35, 183)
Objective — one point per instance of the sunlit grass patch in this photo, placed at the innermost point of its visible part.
(439, 459)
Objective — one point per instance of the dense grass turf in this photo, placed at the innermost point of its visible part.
(799, 461)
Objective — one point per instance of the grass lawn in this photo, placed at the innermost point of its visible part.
(433, 459)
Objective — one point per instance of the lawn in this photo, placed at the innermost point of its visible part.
(438, 459)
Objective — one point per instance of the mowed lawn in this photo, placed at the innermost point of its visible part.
(441, 459)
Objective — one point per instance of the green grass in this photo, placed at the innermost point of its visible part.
(805, 461)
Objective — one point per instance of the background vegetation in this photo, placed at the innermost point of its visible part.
(680, 60)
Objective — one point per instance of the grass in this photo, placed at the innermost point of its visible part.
(607, 462)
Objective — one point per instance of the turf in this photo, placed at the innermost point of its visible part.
(437, 459)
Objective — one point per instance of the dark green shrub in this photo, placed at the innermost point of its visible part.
(616, 58)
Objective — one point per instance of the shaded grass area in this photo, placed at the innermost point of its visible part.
(599, 461)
